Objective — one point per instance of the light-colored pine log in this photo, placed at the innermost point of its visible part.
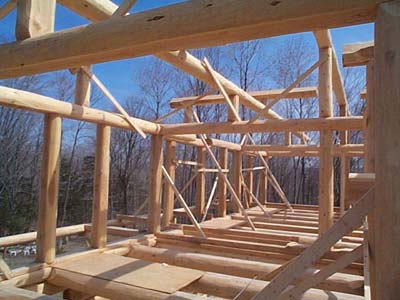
(200, 183)
(235, 103)
(358, 54)
(155, 184)
(124, 8)
(210, 199)
(236, 178)
(387, 147)
(333, 123)
(263, 193)
(82, 87)
(101, 187)
(249, 180)
(223, 161)
(301, 92)
(48, 194)
(168, 203)
(325, 198)
(118, 41)
(34, 18)
(344, 178)
(5, 269)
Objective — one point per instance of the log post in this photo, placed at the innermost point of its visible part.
(155, 182)
(83, 87)
(48, 196)
(34, 18)
(236, 178)
(168, 204)
(235, 102)
(249, 179)
(263, 194)
(100, 187)
(326, 161)
(223, 160)
(200, 183)
(387, 148)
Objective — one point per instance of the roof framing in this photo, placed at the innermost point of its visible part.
(181, 26)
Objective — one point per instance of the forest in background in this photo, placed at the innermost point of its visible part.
(254, 65)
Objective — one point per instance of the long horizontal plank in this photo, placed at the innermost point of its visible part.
(358, 54)
(303, 92)
(191, 24)
(289, 125)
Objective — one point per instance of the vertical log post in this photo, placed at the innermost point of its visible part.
(263, 194)
(168, 204)
(83, 87)
(387, 148)
(48, 196)
(235, 103)
(236, 178)
(101, 186)
(34, 18)
(249, 179)
(325, 158)
(200, 183)
(155, 182)
(223, 160)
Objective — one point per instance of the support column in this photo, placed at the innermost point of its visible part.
(249, 179)
(83, 87)
(168, 204)
(235, 102)
(236, 178)
(387, 146)
(325, 159)
(263, 195)
(100, 187)
(200, 183)
(223, 161)
(48, 196)
(155, 182)
(34, 18)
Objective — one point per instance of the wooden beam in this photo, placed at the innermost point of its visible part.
(34, 18)
(358, 54)
(333, 123)
(236, 178)
(82, 87)
(37, 103)
(8, 7)
(200, 183)
(302, 92)
(223, 161)
(155, 183)
(93, 10)
(48, 194)
(324, 40)
(100, 187)
(249, 178)
(325, 199)
(235, 102)
(306, 150)
(387, 147)
(80, 46)
(124, 8)
(170, 167)
(263, 188)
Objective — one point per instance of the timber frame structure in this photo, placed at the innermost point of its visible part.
(262, 250)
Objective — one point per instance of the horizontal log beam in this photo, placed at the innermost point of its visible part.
(290, 125)
(303, 92)
(180, 26)
(359, 54)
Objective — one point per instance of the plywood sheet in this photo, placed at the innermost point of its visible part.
(135, 272)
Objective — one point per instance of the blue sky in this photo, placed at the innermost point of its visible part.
(118, 76)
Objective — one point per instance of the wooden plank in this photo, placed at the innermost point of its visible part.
(48, 194)
(34, 18)
(134, 272)
(170, 167)
(80, 46)
(155, 183)
(325, 198)
(301, 92)
(100, 187)
(333, 123)
(387, 147)
(358, 54)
